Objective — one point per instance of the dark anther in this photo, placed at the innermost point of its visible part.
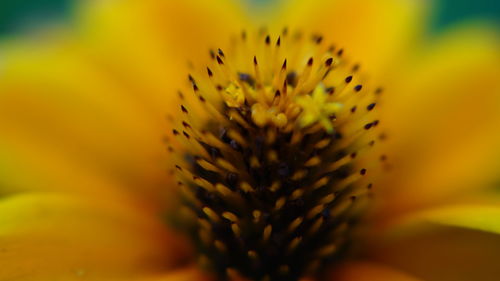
(232, 179)
(353, 155)
(310, 61)
(278, 42)
(234, 145)
(329, 62)
(255, 60)
(368, 126)
(209, 72)
(219, 60)
(268, 40)
(370, 106)
(330, 90)
(348, 79)
(186, 125)
(221, 53)
(353, 109)
(184, 109)
(195, 87)
(375, 123)
(358, 88)
(284, 65)
(186, 134)
(362, 171)
(370, 185)
(355, 68)
(340, 52)
(291, 78)
(212, 54)
(175, 132)
(283, 170)
(246, 78)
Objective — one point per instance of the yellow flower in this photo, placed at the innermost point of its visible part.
(85, 171)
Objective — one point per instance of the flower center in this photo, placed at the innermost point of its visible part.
(271, 156)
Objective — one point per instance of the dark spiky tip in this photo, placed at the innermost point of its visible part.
(219, 60)
(310, 61)
(220, 52)
(329, 62)
(266, 200)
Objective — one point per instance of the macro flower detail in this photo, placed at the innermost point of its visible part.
(130, 153)
(268, 155)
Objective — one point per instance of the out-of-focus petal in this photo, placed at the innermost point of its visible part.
(55, 237)
(376, 33)
(149, 43)
(367, 271)
(442, 114)
(440, 253)
(52, 97)
(191, 273)
(99, 92)
(483, 217)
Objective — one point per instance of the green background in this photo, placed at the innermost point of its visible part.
(18, 15)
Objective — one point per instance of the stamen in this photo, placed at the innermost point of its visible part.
(272, 158)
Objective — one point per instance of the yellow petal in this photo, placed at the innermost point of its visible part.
(54, 98)
(368, 271)
(149, 43)
(99, 93)
(191, 273)
(374, 32)
(443, 253)
(55, 237)
(443, 115)
(478, 217)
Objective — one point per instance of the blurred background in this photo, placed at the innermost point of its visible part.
(23, 15)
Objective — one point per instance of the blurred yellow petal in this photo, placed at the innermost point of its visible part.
(191, 273)
(443, 114)
(47, 236)
(443, 253)
(147, 43)
(54, 97)
(478, 217)
(102, 96)
(368, 271)
(374, 32)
